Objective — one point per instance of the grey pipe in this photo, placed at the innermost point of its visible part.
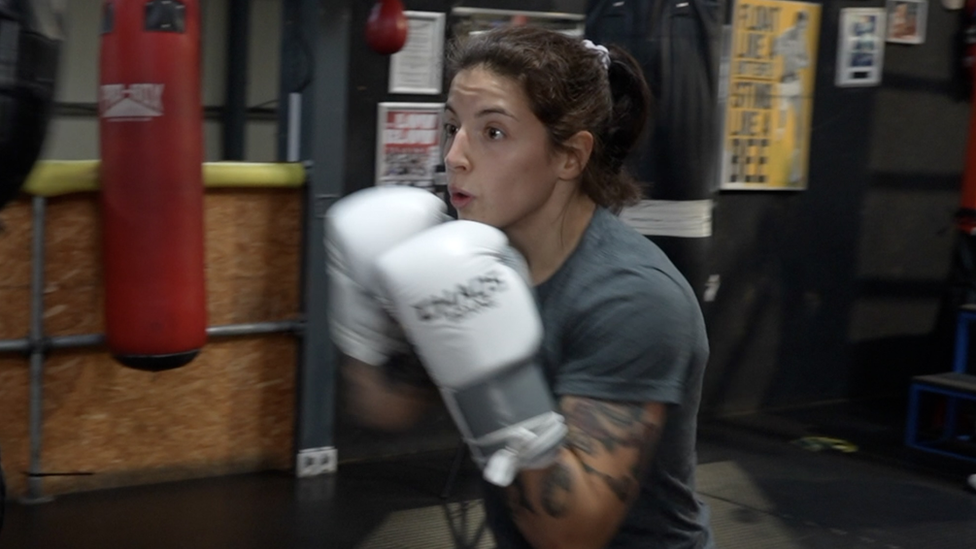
(70, 341)
(34, 485)
(15, 345)
(229, 330)
(94, 340)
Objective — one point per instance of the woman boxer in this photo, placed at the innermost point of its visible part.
(538, 126)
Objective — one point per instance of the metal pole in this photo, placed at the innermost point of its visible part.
(327, 30)
(35, 489)
(296, 75)
(235, 103)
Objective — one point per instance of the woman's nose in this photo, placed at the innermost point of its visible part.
(456, 158)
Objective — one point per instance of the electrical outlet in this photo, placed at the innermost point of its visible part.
(316, 461)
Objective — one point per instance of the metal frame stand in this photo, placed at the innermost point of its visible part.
(955, 387)
(34, 488)
(459, 454)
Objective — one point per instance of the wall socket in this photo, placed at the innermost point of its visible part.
(316, 461)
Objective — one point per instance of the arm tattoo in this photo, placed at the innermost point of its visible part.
(556, 487)
(621, 487)
(518, 501)
(603, 427)
(609, 425)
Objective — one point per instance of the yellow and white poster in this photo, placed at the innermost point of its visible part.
(773, 65)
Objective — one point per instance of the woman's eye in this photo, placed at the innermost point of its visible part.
(494, 133)
(450, 129)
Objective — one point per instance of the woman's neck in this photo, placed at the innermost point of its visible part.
(547, 238)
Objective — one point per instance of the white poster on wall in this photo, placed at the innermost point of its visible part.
(418, 67)
(408, 144)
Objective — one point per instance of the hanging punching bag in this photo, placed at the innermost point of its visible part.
(31, 33)
(677, 45)
(152, 182)
(386, 28)
(966, 215)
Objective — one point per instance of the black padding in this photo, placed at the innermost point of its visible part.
(165, 16)
(157, 363)
(28, 68)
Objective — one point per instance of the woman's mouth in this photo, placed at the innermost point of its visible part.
(460, 199)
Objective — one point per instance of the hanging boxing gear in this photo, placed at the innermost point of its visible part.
(386, 27)
(31, 32)
(677, 45)
(463, 299)
(359, 228)
(151, 129)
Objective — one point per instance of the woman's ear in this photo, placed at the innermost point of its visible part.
(579, 147)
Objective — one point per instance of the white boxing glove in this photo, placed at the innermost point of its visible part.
(359, 228)
(472, 318)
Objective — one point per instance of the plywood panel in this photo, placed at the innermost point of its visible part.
(230, 410)
(73, 242)
(14, 441)
(15, 244)
(14, 312)
(73, 310)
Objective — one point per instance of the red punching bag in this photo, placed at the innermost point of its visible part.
(966, 216)
(386, 28)
(152, 182)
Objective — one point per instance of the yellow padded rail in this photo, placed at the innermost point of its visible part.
(57, 177)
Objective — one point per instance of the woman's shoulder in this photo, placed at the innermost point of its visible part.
(614, 262)
(619, 253)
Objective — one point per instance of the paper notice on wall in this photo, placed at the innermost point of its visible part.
(408, 144)
(766, 138)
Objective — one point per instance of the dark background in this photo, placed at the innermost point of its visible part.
(838, 292)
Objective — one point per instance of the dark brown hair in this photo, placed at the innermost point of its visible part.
(569, 90)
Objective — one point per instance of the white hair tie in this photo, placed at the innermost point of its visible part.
(601, 51)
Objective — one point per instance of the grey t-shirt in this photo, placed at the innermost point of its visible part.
(621, 323)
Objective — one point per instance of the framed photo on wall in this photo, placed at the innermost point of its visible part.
(860, 51)
(907, 20)
(408, 144)
(418, 67)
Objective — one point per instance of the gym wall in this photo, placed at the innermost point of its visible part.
(840, 292)
(231, 409)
